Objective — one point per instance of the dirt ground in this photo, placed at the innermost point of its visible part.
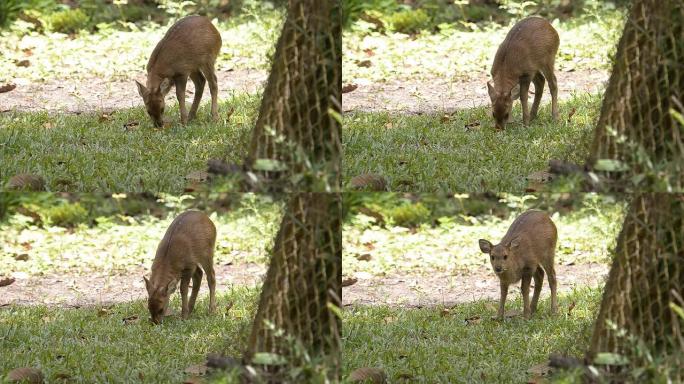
(96, 94)
(446, 95)
(104, 289)
(439, 288)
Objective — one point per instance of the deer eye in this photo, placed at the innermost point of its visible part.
(505, 257)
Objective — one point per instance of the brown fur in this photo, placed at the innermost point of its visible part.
(186, 249)
(527, 54)
(188, 49)
(526, 251)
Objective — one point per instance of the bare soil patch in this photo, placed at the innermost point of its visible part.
(435, 95)
(97, 94)
(105, 289)
(440, 288)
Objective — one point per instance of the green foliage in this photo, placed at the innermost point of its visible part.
(410, 21)
(353, 9)
(68, 21)
(9, 10)
(438, 345)
(409, 215)
(66, 215)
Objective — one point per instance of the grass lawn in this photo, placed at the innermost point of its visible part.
(119, 243)
(89, 345)
(586, 43)
(584, 236)
(438, 345)
(428, 153)
(89, 152)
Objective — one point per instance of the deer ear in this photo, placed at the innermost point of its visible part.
(147, 284)
(142, 91)
(490, 90)
(165, 86)
(171, 286)
(514, 243)
(485, 246)
(515, 92)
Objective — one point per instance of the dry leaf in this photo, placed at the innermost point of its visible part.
(7, 87)
(473, 320)
(21, 257)
(22, 63)
(25, 375)
(230, 113)
(539, 371)
(229, 306)
(349, 88)
(197, 370)
(571, 114)
(131, 125)
(105, 117)
(571, 307)
(473, 125)
(364, 63)
(369, 52)
(349, 281)
(389, 125)
(369, 181)
(7, 281)
(131, 320)
(363, 257)
(102, 311)
(47, 125)
(368, 375)
(389, 319)
(197, 176)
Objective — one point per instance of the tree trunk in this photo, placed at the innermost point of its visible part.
(637, 130)
(302, 288)
(297, 133)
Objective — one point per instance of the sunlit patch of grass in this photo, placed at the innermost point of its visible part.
(454, 54)
(434, 345)
(88, 153)
(584, 236)
(115, 54)
(243, 235)
(90, 345)
(429, 153)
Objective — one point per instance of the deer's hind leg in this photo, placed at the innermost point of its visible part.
(199, 81)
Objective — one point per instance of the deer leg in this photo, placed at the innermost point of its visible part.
(524, 88)
(180, 82)
(185, 281)
(553, 87)
(502, 301)
(538, 92)
(196, 281)
(199, 81)
(210, 75)
(538, 282)
(525, 290)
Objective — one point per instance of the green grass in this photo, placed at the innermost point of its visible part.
(428, 153)
(243, 235)
(86, 153)
(112, 54)
(584, 236)
(428, 346)
(586, 43)
(91, 345)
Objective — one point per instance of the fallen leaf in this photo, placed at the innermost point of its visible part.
(542, 369)
(130, 320)
(369, 181)
(364, 63)
(21, 257)
(7, 87)
(445, 312)
(369, 245)
(540, 177)
(349, 88)
(389, 319)
(7, 281)
(197, 370)
(131, 125)
(141, 376)
(102, 311)
(47, 125)
(62, 376)
(229, 306)
(369, 52)
(571, 307)
(363, 257)
(473, 125)
(197, 176)
(22, 63)
(473, 320)
(25, 375)
(368, 375)
(389, 125)
(230, 113)
(349, 281)
(105, 117)
(571, 114)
